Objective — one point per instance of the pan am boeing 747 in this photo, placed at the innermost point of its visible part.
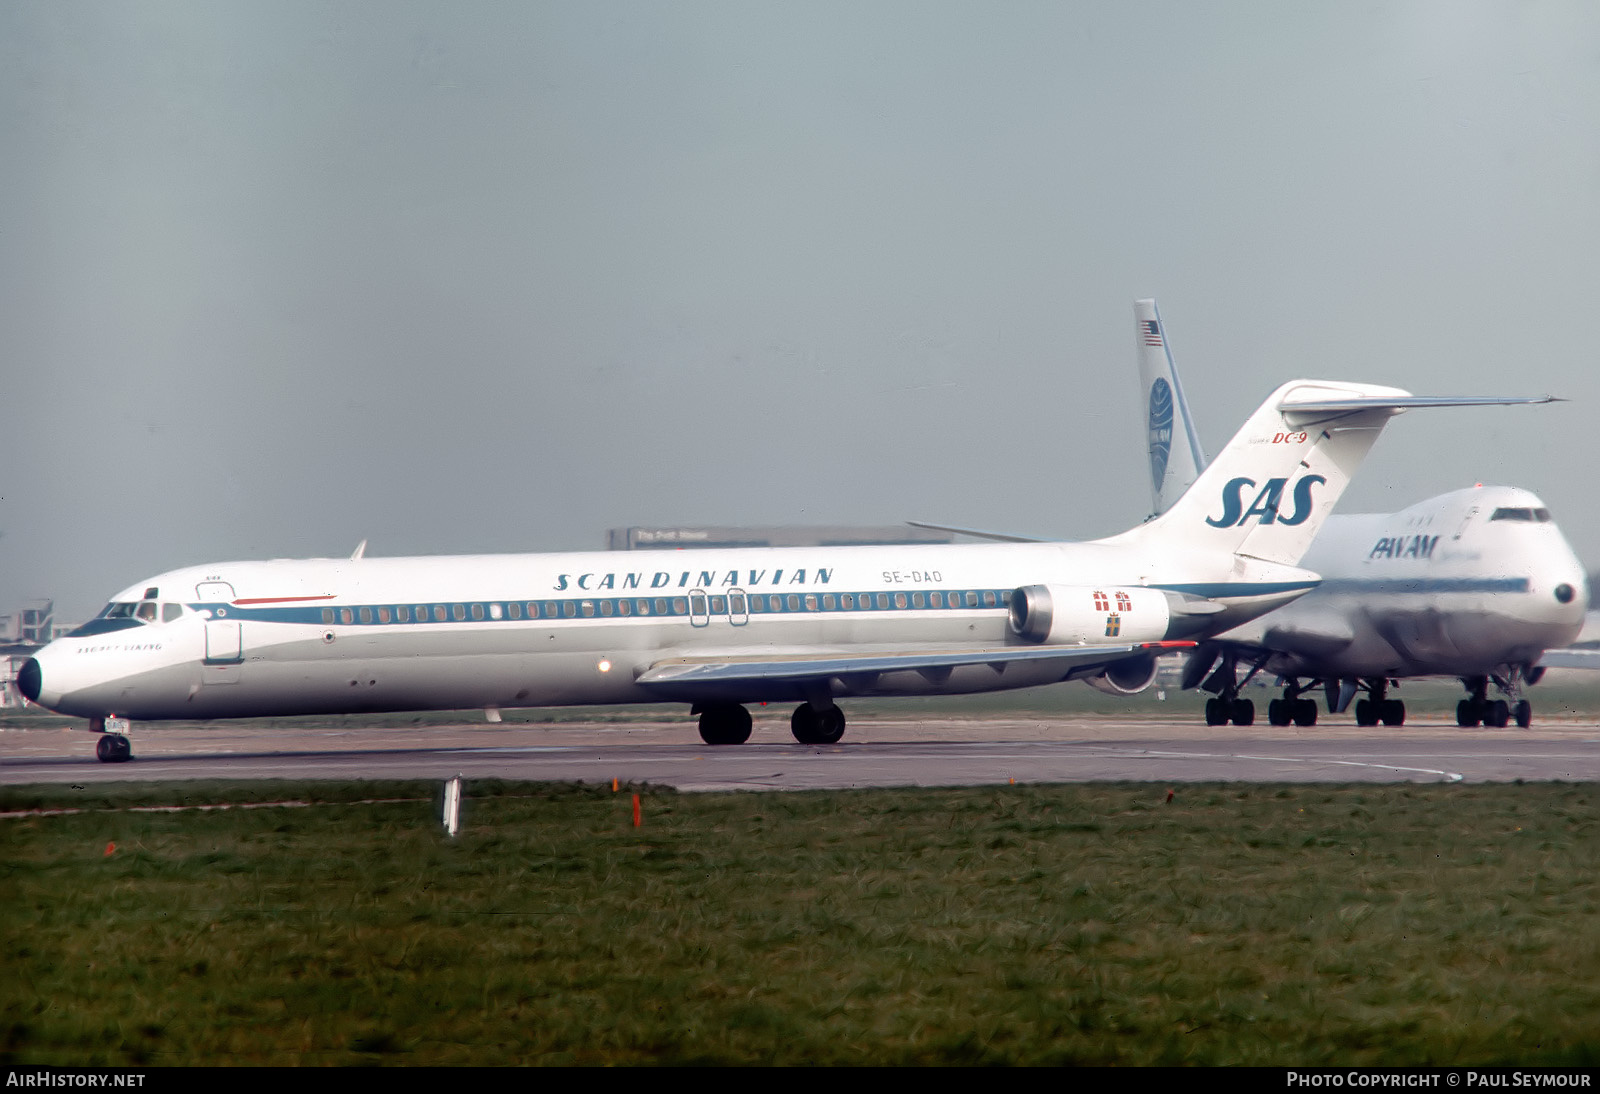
(1475, 584)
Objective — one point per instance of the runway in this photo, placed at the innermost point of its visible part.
(875, 753)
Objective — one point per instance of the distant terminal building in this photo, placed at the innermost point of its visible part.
(799, 535)
(21, 633)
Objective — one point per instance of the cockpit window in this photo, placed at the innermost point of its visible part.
(146, 611)
(115, 617)
(169, 612)
(1540, 516)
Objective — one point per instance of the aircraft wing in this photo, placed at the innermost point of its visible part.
(695, 675)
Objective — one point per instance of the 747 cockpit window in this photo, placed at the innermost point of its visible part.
(1541, 516)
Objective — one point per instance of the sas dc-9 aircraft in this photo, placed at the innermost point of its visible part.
(1475, 583)
(720, 629)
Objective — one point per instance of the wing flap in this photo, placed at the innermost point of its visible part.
(681, 672)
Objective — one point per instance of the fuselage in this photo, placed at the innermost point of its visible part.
(1462, 584)
(452, 632)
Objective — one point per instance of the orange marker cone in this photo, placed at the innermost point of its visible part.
(613, 784)
(636, 821)
(110, 849)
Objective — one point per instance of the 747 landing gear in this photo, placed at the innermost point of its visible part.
(1479, 709)
(723, 723)
(817, 727)
(1292, 707)
(1227, 706)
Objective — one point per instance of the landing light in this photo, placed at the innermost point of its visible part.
(605, 666)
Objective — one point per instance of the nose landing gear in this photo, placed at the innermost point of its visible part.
(111, 748)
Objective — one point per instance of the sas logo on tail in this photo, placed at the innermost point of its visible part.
(1266, 504)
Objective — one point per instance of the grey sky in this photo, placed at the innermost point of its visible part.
(277, 277)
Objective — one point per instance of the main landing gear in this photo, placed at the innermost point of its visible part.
(1292, 708)
(111, 748)
(1479, 709)
(729, 723)
(1227, 706)
(723, 723)
(811, 726)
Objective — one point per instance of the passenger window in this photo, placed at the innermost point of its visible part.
(366, 615)
(644, 607)
(828, 603)
(383, 615)
(661, 606)
(495, 612)
(402, 614)
(624, 607)
(327, 615)
(794, 602)
(899, 600)
(588, 609)
(477, 611)
(458, 612)
(605, 607)
(719, 605)
(883, 600)
(680, 606)
(346, 615)
(514, 611)
(918, 600)
(569, 609)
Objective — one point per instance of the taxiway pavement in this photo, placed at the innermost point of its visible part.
(875, 752)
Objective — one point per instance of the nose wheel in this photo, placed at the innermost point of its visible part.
(113, 748)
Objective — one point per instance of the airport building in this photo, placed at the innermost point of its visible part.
(640, 538)
(21, 634)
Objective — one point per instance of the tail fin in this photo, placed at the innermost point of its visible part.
(1268, 492)
(1175, 459)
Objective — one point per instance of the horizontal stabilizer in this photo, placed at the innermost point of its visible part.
(1292, 405)
(998, 537)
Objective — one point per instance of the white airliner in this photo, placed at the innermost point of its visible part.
(718, 629)
(1476, 584)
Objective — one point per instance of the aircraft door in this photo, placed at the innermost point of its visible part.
(223, 643)
(699, 608)
(738, 607)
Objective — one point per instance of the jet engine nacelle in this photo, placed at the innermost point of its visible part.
(1088, 615)
(1126, 677)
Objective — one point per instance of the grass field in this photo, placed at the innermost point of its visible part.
(1027, 924)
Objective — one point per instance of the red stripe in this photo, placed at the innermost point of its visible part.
(281, 599)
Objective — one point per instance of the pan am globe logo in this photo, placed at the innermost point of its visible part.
(1160, 430)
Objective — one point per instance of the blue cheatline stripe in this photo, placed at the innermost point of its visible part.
(582, 608)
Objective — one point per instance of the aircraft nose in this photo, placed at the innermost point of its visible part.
(30, 680)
